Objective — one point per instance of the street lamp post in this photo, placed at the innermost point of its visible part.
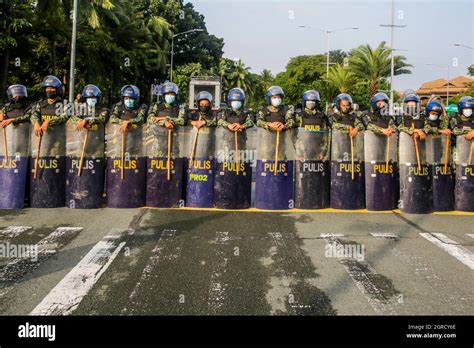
(392, 26)
(172, 48)
(465, 46)
(73, 52)
(328, 33)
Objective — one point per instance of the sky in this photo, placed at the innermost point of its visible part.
(264, 34)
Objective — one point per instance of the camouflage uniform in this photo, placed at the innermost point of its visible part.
(408, 124)
(210, 118)
(461, 125)
(172, 113)
(375, 122)
(121, 113)
(245, 115)
(313, 117)
(284, 112)
(433, 127)
(43, 110)
(20, 113)
(100, 117)
(344, 123)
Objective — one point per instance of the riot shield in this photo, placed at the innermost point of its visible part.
(464, 161)
(85, 166)
(380, 161)
(164, 181)
(416, 194)
(199, 166)
(14, 152)
(438, 149)
(48, 168)
(312, 175)
(126, 167)
(233, 175)
(274, 171)
(347, 180)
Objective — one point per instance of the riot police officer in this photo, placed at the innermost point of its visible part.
(233, 177)
(14, 124)
(347, 156)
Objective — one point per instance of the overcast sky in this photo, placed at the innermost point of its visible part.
(265, 33)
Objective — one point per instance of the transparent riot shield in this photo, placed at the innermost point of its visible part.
(199, 166)
(312, 171)
(381, 179)
(14, 151)
(464, 162)
(347, 171)
(126, 167)
(85, 166)
(416, 194)
(165, 160)
(48, 168)
(233, 175)
(438, 157)
(274, 171)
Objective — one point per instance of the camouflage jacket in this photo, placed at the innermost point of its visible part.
(461, 125)
(54, 112)
(344, 123)
(266, 114)
(244, 117)
(434, 127)
(408, 124)
(170, 112)
(100, 116)
(210, 118)
(375, 122)
(302, 117)
(121, 113)
(24, 112)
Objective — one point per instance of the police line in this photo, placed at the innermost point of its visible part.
(305, 168)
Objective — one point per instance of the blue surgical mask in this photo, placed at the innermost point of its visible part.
(129, 103)
(170, 99)
(236, 105)
(91, 102)
(276, 102)
(467, 112)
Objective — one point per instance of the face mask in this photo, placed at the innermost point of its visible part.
(91, 102)
(204, 108)
(311, 104)
(51, 94)
(236, 105)
(19, 100)
(129, 103)
(170, 99)
(276, 102)
(467, 112)
(433, 117)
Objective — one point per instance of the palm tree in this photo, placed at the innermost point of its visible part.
(373, 65)
(341, 78)
(241, 76)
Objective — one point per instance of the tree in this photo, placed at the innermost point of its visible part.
(470, 70)
(342, 79)
(198, 47)
(372, 66)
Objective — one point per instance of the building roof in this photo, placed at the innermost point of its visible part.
(456, 85)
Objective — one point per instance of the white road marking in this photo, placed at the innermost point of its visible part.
(66, 296)
(46, 247)
(13, 231)
(451, 247)
(156, 257)
(363, 280)
(384, 235)
(331, 235)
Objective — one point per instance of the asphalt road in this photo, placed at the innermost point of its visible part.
(194, 262)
